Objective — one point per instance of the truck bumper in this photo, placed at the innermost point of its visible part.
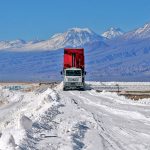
(73, 85)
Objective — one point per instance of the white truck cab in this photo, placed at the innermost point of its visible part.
(73, 79)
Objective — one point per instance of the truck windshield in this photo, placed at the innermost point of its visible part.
(73, 72)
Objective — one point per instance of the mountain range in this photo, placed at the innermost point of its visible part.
(74, 37)
(112, 56)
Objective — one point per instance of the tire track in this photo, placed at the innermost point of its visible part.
(116, 124)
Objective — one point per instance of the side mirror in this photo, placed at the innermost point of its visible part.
(84, 72)
(61, 72)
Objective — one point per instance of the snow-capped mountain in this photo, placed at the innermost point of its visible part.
(112, 33)
(74, 37)
(140, 33)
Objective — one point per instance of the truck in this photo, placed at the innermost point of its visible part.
(73, 69)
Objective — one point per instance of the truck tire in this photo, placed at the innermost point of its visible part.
(64, 89)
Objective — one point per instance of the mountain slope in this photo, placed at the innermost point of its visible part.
(140, 33)
(126, 58)
(112, 33)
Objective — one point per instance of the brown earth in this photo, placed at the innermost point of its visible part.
(133, 95)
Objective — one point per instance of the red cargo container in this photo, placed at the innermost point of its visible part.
(74, 57)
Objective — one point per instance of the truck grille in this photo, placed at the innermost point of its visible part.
(73, 79)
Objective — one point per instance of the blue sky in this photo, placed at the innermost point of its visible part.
(32, 19)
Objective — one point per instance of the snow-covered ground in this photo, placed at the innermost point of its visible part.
(123, 86)
(52, 119)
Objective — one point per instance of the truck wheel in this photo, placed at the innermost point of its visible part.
(64, 89)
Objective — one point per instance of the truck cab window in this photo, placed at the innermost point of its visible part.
(73, 72)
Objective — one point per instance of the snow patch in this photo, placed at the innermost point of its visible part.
(7, 142)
